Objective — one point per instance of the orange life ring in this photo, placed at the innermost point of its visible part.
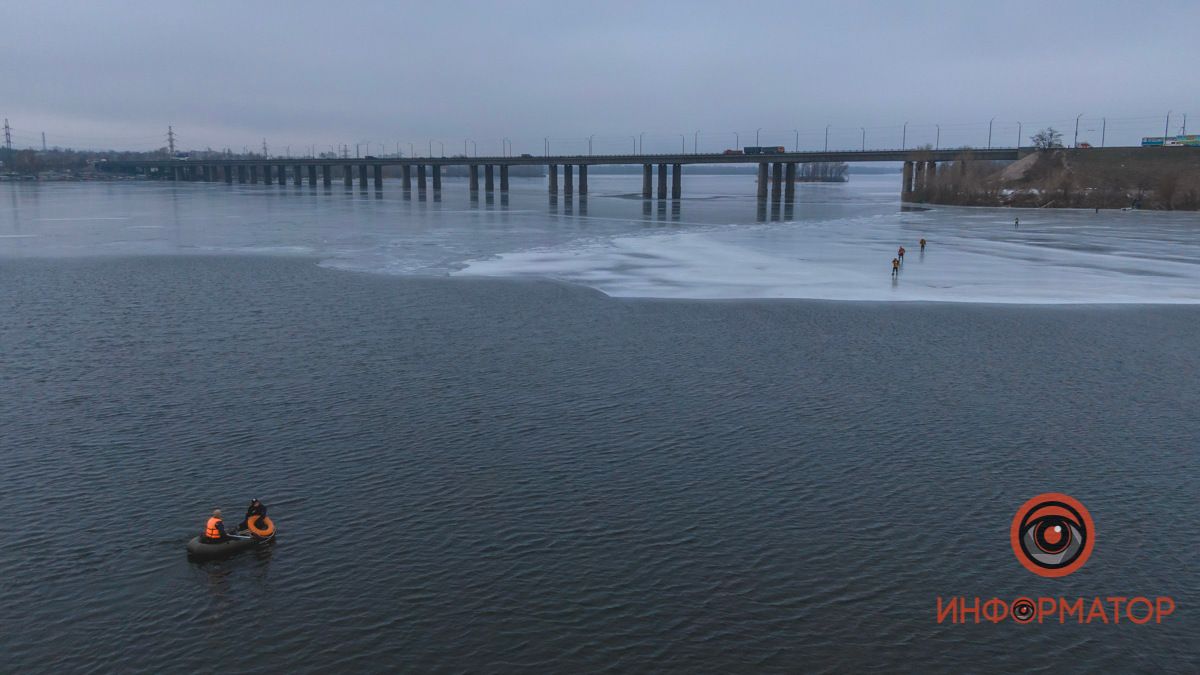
(266, 531)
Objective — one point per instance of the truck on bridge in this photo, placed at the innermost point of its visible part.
(765, 150)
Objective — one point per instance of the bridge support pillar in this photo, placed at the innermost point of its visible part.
(362, 176)
(297, 175)
(312, 175)
(776, 181)
(489, 178)
(762, 182)
(267, 171)
(907, 182)
(326, 175)
(789, 179)
(503, 178)
(662, 181)
(920, 176)
(473, 170)
(253, 174)
(583, 179)
(207, 173)
(931, 175)
(421, 177)
(406, 173)
(568, 179)
(378, 176)
(437, 177)
(647, 181)
(348, 175)
(228, 174)
(676, 181)
(552, 172)
(241, 170)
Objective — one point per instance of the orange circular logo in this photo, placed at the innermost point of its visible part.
(1053, 534)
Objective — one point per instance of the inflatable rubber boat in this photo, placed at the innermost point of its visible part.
(259, 532)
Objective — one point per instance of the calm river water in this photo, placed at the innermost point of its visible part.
(508, 437)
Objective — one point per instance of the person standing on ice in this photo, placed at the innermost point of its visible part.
(895, 266)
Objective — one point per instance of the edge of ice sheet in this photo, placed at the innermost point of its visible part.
(802, 263)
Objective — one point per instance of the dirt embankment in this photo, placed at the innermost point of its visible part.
(1148, 178)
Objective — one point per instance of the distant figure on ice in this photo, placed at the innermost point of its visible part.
(895, 266)
(922, 245)
(1016, 222)
(900, 254)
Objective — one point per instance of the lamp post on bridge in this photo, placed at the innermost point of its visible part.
(1166, 129)
(682, 144)
(546, 139)
(737, 141)
(590, 144)
(696, 142)
(796, 146)
(506, 147)
(827, 138)
(633, 139)
(641, 137)
(1104, 129)
(1018, 135)
(864, 138)
(937, 142)
(904, 137)
(1075, 144)
(990, 132)
(756, 132)
(411, 150)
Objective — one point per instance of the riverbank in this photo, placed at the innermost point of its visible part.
(1105, 178)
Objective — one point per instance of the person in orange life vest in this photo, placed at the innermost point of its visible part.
(214, 529)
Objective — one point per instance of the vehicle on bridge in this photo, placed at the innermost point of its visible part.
(732, 152)
(764, 150)
(1192, 140)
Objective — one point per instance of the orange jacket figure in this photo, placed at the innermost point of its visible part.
(214, 529)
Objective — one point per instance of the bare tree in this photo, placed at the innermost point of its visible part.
(1047, 139)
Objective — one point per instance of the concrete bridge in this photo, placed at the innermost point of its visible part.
(776, 171)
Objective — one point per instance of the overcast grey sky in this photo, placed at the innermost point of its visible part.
(115, 74)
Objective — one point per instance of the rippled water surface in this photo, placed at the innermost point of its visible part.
(481, 474)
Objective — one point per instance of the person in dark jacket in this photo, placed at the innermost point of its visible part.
(256, 508)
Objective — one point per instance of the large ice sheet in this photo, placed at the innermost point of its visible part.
(972, 256)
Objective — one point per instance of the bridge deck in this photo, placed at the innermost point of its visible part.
(706, 158)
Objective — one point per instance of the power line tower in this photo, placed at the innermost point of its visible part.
(171, 140)
(265, 148)
(7, 135)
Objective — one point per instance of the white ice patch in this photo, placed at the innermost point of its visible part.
(973, 256)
